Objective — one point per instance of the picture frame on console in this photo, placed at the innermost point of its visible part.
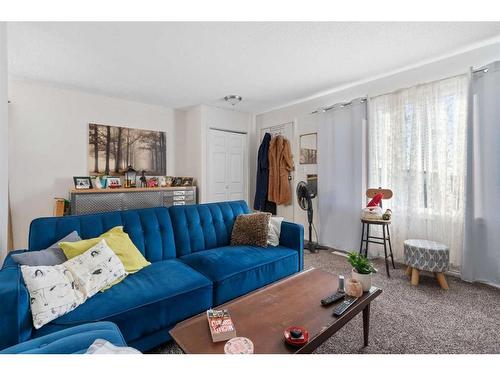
(82, 183)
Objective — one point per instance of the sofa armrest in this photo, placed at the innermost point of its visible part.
(15, 316)
(292, 236)
(70, 340)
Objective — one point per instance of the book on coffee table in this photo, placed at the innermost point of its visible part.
(220, 324)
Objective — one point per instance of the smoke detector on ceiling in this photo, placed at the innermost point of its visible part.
(233, 99)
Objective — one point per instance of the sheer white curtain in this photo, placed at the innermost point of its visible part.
(481, 257)
(417, 148)
(341, 174)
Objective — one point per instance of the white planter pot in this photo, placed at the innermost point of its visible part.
(365, 280)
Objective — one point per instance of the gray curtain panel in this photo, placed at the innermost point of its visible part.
(481, 255)
(341, 174)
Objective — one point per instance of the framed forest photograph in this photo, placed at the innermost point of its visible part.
(113, 148)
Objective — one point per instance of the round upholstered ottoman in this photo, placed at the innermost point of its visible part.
(424, 255)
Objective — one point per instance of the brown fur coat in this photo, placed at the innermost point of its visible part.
(280, 166)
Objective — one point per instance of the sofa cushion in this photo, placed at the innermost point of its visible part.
(154, 298)
(204, 226)
(237, 270)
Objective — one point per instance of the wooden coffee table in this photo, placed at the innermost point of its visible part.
(264, 314)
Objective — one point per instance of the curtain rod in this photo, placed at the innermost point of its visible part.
(342, 105)
(339, 105)
(480, 70)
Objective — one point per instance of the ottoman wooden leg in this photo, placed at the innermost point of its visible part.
(408, 271)
(414, 276)
(441, 280)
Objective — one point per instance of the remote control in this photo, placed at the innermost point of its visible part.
(333, 298)
(340, 309)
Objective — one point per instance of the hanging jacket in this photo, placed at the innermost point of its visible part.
(280, 166)
(259, 202)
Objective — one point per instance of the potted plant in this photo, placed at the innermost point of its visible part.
(362, 269)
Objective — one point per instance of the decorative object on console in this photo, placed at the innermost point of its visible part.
(113, 182)
(97, 183)
(177, 181)
(152, 182)
(113, 148)
(362, 269)
(143, 179)
(51, 256)
(353, 288)
(82, 183)
(251, 229)
(187, 181)
(129, 180)
(308, 148)
(169, 181)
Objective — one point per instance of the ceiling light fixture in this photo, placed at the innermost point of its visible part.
(233, 99)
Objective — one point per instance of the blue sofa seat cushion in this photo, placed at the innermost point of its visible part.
(164, 291)
(237, 270)
(74, 340)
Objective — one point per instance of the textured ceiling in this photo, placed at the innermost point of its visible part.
(187, 63)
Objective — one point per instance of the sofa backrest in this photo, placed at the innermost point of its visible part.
(150, 229)
(204, 226)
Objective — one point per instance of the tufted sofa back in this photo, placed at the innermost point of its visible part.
(150, 229)
(204, 226)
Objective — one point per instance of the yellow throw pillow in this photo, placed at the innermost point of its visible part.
(118, 241)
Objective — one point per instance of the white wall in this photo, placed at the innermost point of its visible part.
(4, 143)
(48, 143)
(299, 112)
(198, 120)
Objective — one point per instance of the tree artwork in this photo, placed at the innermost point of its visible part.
(113, 148)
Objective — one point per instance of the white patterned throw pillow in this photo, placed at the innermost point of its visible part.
(56, 290)
(53, 292)
(96, 269)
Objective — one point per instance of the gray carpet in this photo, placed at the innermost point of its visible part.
(406, 319)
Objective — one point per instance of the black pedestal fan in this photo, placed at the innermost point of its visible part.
(305, 195)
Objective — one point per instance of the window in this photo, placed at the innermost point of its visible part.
(417, 148)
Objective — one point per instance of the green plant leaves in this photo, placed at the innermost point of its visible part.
(360, 263)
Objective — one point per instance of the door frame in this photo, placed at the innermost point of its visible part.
(245, 160)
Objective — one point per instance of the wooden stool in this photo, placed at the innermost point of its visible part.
(424, 255)
(386, 239)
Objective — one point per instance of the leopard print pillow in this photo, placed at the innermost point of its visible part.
(251, 229)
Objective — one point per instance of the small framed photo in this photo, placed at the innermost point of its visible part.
(177, 181)
(187, 181)
(113, 182)
(170, 180)
(82, 183)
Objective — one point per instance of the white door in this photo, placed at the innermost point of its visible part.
(286, 130)
(226, 168)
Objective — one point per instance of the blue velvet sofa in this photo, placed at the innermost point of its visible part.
(193, 268)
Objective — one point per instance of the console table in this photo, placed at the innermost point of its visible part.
(102, 200)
